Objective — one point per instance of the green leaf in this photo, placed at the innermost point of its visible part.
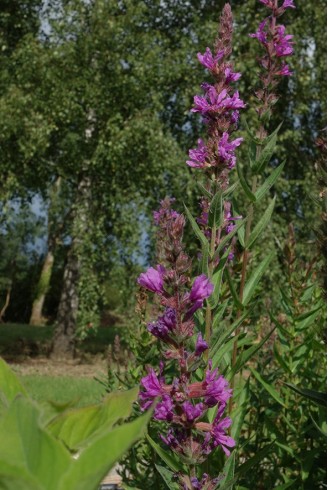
(261, 225)
(13, 477)
(27, 445)
(266, 152)
(217, 280)
(239, 413)
(254, 460)
(215, 211)
(205, 258)
(226, 239)
(234, 294)
(76, 427)
(318, 397)
(229, 469)
(280, 360)
(202, 238)
(261, 191)
(244, 184)
(248, 354)
(166, 456)
(167, 476)
(101, 455)
(249, 132)
(267, 387)
(204, 191)
(250, 286)
(9, 382)
(226, 333)
(230, 189)
(284, 486)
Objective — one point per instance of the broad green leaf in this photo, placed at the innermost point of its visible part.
(14, 477)
(166, 456)
(318, 397)
(30, 446)
(200, 235)
(251, 284)
(261, 225)
(75, 427)
(272, 391)
(244, 184)
(215, 211)
(100, 456)
(167, 476)
(9, 382)
(261, 191)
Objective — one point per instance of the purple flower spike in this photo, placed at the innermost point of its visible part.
(284, 71)
(152, 279)
(153, 388)
(208, 60)
(201, 345)
(260, 34)
(282, 43)
(198, 155)
(201, 289)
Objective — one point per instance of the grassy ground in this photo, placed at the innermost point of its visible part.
(63, 389)
(26, 340)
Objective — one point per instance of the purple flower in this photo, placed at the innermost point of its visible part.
(284, 71)
(153, 388)
(201, 345)
(191, 411)
(164, 324)
(164, 409)
(219, 435)
(226, 149)
(198, 155)
(261, 34)
(153, 279)
(233, 102)
(282, 43)
(216, 389)
(201, 289)
(288, 4)
(208, 60)
(231, 76)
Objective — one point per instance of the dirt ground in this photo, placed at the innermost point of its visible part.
(76, 368)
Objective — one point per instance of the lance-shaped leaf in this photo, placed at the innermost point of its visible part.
(244, 184)
(248, 354)
(167, 456)
(266, 152)
(239, 413)
(251, 284)
(272, 391)
(204, 191)
(252, 136)
(215, 211)
(205, 259)
(167, 476)
(229, 470)
(225, 333)
(233, 290)
(261, 225)
(217, 281)
(318, 397)
(226, 239)
(269, 182)
(230, 189)
(200, 235)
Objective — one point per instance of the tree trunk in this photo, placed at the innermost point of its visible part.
(64, 337)
(7, 301)
(42, 288)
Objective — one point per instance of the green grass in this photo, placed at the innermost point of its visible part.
(63, 389)
(21, 340)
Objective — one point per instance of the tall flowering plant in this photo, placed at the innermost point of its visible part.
(188, 390)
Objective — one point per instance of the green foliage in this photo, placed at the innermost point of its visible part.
(38, 453)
